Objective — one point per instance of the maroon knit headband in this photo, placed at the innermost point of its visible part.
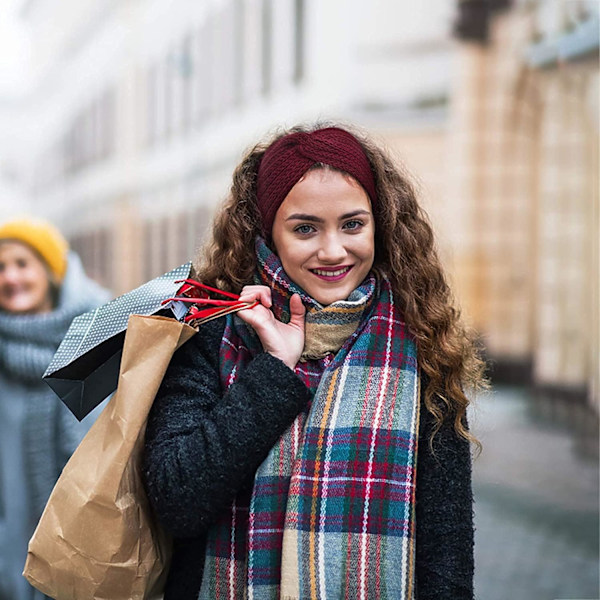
(290, 157)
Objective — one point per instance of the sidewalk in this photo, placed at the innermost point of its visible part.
(536, 505)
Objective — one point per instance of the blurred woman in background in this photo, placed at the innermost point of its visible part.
(42, 288)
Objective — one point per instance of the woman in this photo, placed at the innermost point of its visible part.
(42, 288)
(281, 450)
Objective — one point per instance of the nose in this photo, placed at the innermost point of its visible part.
(332, 250)
(9, 275)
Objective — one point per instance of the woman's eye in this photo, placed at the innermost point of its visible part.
(354, 224)
(304, 229)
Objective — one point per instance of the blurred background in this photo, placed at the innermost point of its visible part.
(121, 121)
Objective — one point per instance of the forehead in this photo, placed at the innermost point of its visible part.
(324, 189)
(13, 249)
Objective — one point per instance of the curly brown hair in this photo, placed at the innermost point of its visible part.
(404, 251)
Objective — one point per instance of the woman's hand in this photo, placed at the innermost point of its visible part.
(285, 342)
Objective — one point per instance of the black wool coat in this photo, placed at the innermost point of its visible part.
(203, 446)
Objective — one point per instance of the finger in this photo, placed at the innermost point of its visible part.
(248, 293)
(262, 293)
(297, 311)
(255, 315)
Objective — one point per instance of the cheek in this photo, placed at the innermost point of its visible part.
(43, 289)
(292, 252)
(37, 278)
(365, 248)
(290, 259)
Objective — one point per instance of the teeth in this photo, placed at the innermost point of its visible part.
(330, 273)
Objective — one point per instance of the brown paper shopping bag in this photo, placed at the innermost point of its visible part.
(97, 538)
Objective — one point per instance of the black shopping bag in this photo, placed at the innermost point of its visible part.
(85, 368)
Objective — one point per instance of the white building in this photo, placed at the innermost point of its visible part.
(140, 110)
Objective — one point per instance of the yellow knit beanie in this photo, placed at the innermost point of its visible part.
(44, 238)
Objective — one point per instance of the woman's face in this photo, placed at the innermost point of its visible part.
(24, 283)
(324, 235)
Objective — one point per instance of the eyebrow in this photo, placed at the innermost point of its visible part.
(314, 219)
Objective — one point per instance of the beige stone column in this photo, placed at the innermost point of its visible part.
(593, 110)
(493, 152)
(564, 315)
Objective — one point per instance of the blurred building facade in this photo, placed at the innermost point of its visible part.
(524, 155)
(13, 193)
(142, 109)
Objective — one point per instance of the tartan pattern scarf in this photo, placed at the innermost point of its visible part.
(331, 510)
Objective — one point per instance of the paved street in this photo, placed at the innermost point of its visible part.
(536, 511)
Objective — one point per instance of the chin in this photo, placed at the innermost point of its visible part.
(331, 296)
(18, 310)
(21, 309)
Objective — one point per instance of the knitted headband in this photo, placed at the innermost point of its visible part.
(290, 157)
(42, 237)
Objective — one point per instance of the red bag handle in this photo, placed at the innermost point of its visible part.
(196, 293)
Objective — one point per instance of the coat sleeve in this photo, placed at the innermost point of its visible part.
(444, 512)
(202, 444)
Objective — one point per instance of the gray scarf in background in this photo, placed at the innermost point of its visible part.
(37, 432)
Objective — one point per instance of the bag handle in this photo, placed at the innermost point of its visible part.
(204, 308)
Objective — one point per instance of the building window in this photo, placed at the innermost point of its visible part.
(299, 42)
(168, 94)
(108, 119)
(267, 39)
(202, 72)
(226, 88)
(95, 251)
(161, 112)
(238, 40)
(238, 50)
(151, 105)
(186, 70)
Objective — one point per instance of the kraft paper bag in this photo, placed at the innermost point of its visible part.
(97, 537)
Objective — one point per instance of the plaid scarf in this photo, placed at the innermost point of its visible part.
(331, 510)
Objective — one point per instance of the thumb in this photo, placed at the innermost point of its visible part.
(297, 312)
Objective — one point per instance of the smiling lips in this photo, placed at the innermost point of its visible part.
(12, 291)
(331, 273)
